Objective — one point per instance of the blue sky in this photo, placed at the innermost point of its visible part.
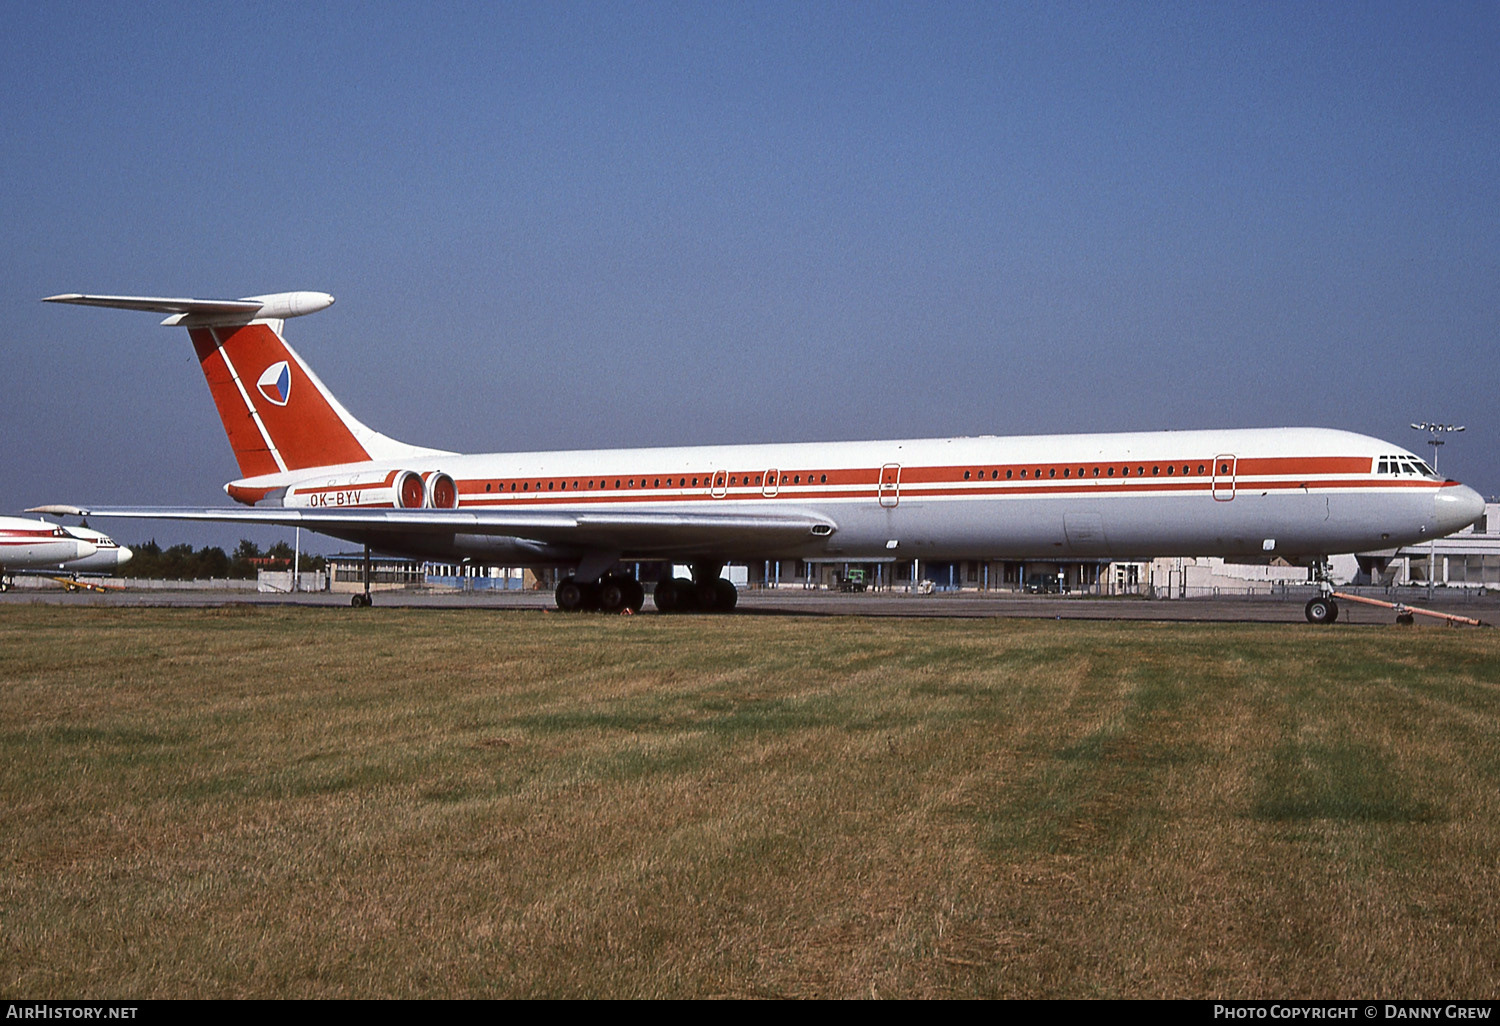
(591, 225)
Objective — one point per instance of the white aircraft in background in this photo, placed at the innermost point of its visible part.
(46, 548)
(1299, 494)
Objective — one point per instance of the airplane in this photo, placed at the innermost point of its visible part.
(1296, 494)
(44, 547)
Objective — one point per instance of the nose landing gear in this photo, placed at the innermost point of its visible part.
(1322, 609)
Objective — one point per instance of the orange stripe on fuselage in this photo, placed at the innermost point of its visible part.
(1036, 478)
(325, 489)
(563, 491)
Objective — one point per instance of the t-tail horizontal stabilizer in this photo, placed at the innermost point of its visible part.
(279, 417)
(191, 312)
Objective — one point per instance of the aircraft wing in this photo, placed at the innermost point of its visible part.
(642, 534)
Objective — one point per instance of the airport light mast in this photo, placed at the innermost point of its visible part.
(1436, 441)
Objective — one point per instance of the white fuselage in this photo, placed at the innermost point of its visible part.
(1292, 493)
(40, 545)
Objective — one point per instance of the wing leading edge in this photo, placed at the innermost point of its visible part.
(641, 534)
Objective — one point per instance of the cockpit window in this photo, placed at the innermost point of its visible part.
(1405, 465)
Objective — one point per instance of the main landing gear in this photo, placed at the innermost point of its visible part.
(679, 595)
(707, 592)
(612, 593)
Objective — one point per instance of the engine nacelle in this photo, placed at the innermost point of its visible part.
(384, 489)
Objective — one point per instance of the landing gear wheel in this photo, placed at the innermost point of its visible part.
(635, 595)
(664, 596)
(726, 596)
(1406, 619)
(571, 596)
(1322, 610)
(613, 594)
(676, 596)
(361, 601)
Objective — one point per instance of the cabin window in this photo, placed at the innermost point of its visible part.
(1023, 474)
(1066, 471)
(1169, 470)
(1156, 471)
(1007, 475)
(617, 482)
(822, 479)
(966, 475)
(1051, 471)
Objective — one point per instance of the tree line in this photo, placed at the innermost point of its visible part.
(183, 562)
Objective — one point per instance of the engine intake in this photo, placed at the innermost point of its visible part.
(442, 492)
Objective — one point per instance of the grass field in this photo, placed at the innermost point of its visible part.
(326, 802)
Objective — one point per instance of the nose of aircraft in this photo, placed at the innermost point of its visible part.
(1456, 508)
(122, 555)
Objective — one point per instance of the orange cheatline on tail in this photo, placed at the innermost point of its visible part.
(285, 423)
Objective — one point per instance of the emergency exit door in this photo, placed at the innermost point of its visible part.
(890, 484)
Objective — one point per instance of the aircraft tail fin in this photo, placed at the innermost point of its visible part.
(276, 412)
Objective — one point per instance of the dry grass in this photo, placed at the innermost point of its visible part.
(315, 802)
